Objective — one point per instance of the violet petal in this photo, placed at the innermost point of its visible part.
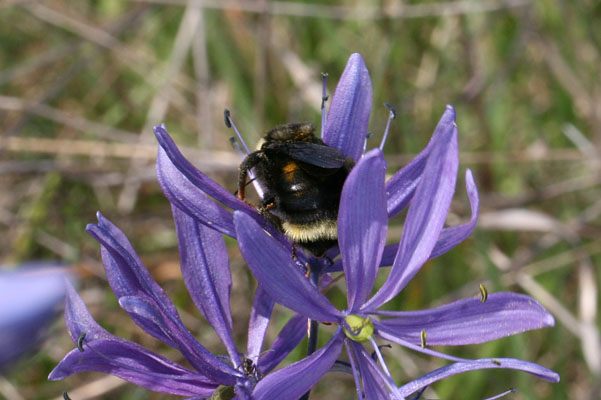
(426, 216)
(362, 226)
(79, 321)
(293, 381)
(273, 267)
(346, 126)
(193, 175)
(260, 314)
(400, 188)
(189, 198)
(289, 337)
(131, 362)
(449, 237)
(206, 271)
(468, 321)
(487, 363)
(374, 386)
(127, 276)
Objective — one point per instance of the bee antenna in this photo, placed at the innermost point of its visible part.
(391, 116)
(324, 98)
(229, 122)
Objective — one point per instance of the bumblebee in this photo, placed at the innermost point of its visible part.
(302, 178)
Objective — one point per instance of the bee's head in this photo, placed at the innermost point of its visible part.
(302, 131)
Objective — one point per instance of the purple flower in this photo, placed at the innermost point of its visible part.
(362, 225)
(206, 272)
(428, 182)
(29, 301)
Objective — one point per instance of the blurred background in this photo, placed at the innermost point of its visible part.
(83, 82)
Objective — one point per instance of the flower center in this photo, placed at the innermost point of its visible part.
(361, 328)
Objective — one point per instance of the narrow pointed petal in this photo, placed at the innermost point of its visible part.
(273, 267)
(346, 126)
(362, 226)
(468, 321)
(190, 199)
(487, 363)
(127, 276)
(122, 355)
(260, 314)
(131, 362)
(206, 271)
(289, 337)
(193, 175)
(426, 216)
(449, 237)
(211, 188)
(293, 381)
(401, 186)
(374, 386)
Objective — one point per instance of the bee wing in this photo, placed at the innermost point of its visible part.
(315, 154)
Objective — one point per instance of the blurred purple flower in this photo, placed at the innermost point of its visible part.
(206, 273)
(29, 301)
(362, 225)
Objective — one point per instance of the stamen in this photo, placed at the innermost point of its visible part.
(391, 116)
(80, 340)
(229, 122)
(387, 378)
(367, 137)
(379, 355)
(354, 368)
(373, 354)
(505, 393)
(236, 146)
(324, 98)
(66, 395)
(483, 294)
(423, 336)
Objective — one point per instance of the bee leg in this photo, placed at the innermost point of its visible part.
(308, 274)
(294, 256)
(249, 162)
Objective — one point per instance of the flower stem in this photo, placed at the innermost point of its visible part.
(313, 327)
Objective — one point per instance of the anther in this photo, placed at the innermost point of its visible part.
(391, 116)
(367, 137)
(226, 118)
(80, 340)
(483, 294)
(66, 395)
(423, 336)
(229, 122)
(324, 98)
